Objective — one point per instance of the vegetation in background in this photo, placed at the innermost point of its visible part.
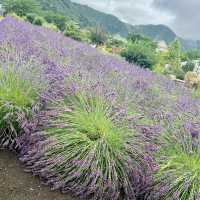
(56, 18)
(137, 49)
(193, 54)
(73, 30)
(38, 21)
(20, 7)
(189, 66)
(174, 60)
(31, 17)
(140, 51)
(98, 36)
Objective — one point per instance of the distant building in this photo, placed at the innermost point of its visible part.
(162, 46)
(116, 50)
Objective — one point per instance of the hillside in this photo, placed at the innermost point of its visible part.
(91, 125)
(89, 17)
(86, 16)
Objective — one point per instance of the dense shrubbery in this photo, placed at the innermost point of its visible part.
(72, 30)
(96, 152)
(189, 66)
(18, 93)
(50, 26)
(98, 36)
(38, 21)
(104, 129)
(31, 17)
(20, 7)
(57, 19)
(140, 53)
(179, 165)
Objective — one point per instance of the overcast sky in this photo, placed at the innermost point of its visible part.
(183, 16)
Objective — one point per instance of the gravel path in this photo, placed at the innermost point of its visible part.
(15, 184)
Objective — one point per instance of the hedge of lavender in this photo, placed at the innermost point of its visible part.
(99, 128)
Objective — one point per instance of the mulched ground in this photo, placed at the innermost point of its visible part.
(15, 184)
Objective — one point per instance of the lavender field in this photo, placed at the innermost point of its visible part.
(90, 124)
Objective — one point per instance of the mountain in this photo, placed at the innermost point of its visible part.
(190, 44)
(156, 32)
(89, 17)
(86, 16)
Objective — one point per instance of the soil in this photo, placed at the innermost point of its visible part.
(15, 184)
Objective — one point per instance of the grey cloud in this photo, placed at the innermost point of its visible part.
(183, 16)
(186, 15)
(132, 11)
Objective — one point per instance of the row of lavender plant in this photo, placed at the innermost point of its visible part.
(104, 129)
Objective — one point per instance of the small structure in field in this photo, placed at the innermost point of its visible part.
(162, 46)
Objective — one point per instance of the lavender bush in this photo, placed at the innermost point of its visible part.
(19, 92)
(105, 129)
(85, 148)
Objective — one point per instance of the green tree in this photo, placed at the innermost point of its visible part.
(21, 7)
(174, 60)
(57, 19)
(114, 42)
(174, 54)
(189, 66)
(140, 53)
(72, 30)
(98, 36)
(39, 21)
(134, 37)
(193, 54)
(31, 17)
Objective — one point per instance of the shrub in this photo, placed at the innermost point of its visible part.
(39, 21)
(178, 176)
(193, 54)
(90, 155)
(73, 34)
(52, 27)
(31, 17)
(140, 53)
(196, 93)
(189, 67)
(192, 79)
(17, 97)
(179, 73)
(98, 36)
(20, 7)
(159, 69)
(57, 19)
(15, 16)
(72, 30)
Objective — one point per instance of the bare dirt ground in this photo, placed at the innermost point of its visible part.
(15, 184)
